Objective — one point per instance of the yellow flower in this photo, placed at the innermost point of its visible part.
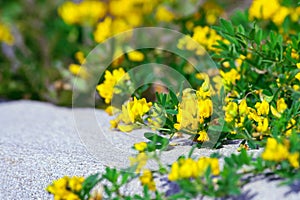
(114, 123)
(281, 105)
(298, 76)
(296, 87)
(5, 35)
(239, 61)
(263, 9)
(65, 188)
(91, 11)
(131, 112)
(213, 163)
(109, 27)
(289, 127)
(263, 125)
(194, 108)
(294, 54)
(205, 85)
(110, 110)
(189, 168)
(136, 56)
(163, 14)
(138, 108)
(212, 12)
(106, 89)
(79, 57)
(205, 109)
(189, 25)
(240, 123)
(174, 172)
(69, 13)
(226, 64)
(230, 78)
(75, 183)
(275, 151)
(78, 70)
(86, 12)
(203, 136)
(189, 44)
(206, 37)
(218, 83)
(204, 91)
(275, 112)
(253, 115)
(139, 161)
(141, 146)
(231, 111)
(147, 179)
(103, 30)
(187, 117)
(280, 15)
(243, 108)
(293, 158)
(262, 108)
(120, 25)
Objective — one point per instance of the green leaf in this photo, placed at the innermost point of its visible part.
(158, 141)
(252, 144)
(174, 97)
(258, 37)
(172, 111)
(229, 161)
(88, 184)
(164, 98)
(227, 25)
(244, 157)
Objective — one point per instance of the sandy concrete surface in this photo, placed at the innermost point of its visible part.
(40, 142)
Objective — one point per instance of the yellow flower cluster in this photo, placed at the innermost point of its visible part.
(66, 188)
(87, 12)
(231, 111)
(189, 168)
(141, 146)
(230, 78)
(163, 14)
(290, 126)
(187, 43)
(132, 112)
(107, 88)
(281, 107)
(77, 70)
(147, 179)
(207, 37)
(136, 56)
(122, 15)
(263, 9)
(193, 110)
(298, 74)
(109, 27)
(5, 35)
(111, 17)
(238, 112)
(139, 161)
(212, 12)
(277, 152)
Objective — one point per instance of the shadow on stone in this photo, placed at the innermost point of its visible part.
(293, 188)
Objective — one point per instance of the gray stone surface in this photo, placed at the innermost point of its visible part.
(40, 142)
